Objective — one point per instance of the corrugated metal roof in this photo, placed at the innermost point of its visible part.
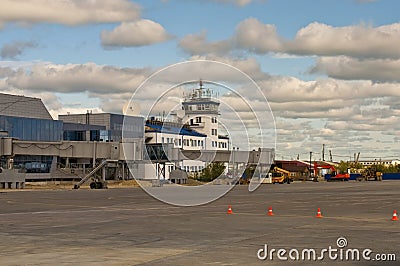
(22, 106)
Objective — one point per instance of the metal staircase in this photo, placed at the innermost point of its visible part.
(96, 184)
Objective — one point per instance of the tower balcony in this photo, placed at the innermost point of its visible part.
(197, 125)
(201, 112)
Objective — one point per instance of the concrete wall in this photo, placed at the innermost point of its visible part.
(11, 179)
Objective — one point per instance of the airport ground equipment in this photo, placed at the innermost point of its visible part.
(323, 169)
(280, 176)
(370, 174)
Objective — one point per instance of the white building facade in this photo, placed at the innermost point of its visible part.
(201, 114)
(385, 163)
(198, 129)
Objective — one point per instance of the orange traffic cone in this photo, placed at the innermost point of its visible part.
(394, 217)
(319, 215)
(270, 213)
(230, 210)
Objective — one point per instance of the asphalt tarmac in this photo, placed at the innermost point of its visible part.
(128, 227)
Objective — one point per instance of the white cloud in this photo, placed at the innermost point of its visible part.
(197, 44)
(138, 33)
(249, 66)
(68, 12)
(76, 78)
(342, 67)
(290, 89)
(359, 41)
(257, 37)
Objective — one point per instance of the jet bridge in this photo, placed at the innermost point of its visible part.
(160, 154)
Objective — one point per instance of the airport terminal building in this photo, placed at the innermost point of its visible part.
(28, 123)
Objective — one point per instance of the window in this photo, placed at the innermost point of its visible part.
(198, 119)
(214, 132)
(179, 142)
(213, 120)
(162, 139)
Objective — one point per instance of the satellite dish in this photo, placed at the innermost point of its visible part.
(133, 109)
(180, 113)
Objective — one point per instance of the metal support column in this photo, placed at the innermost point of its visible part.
(103, 173)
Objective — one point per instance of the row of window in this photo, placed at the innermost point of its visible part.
(186, 142)
(201, 107)
(193, 168)
(216, 144)
(32, 128)
(374, 163)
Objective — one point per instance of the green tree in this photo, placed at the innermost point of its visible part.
(354, 165)
(211, 172)
(342, 167)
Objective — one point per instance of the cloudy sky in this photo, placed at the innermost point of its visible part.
(330, 70)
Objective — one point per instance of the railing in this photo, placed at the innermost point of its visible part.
(86, 178)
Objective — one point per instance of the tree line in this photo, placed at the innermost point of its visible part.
(356, 167)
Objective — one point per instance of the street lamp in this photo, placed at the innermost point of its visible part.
(233, 158)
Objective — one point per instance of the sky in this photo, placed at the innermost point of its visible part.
(330, 70)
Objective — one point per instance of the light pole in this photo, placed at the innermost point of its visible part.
(310, 164)
(233, 166)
